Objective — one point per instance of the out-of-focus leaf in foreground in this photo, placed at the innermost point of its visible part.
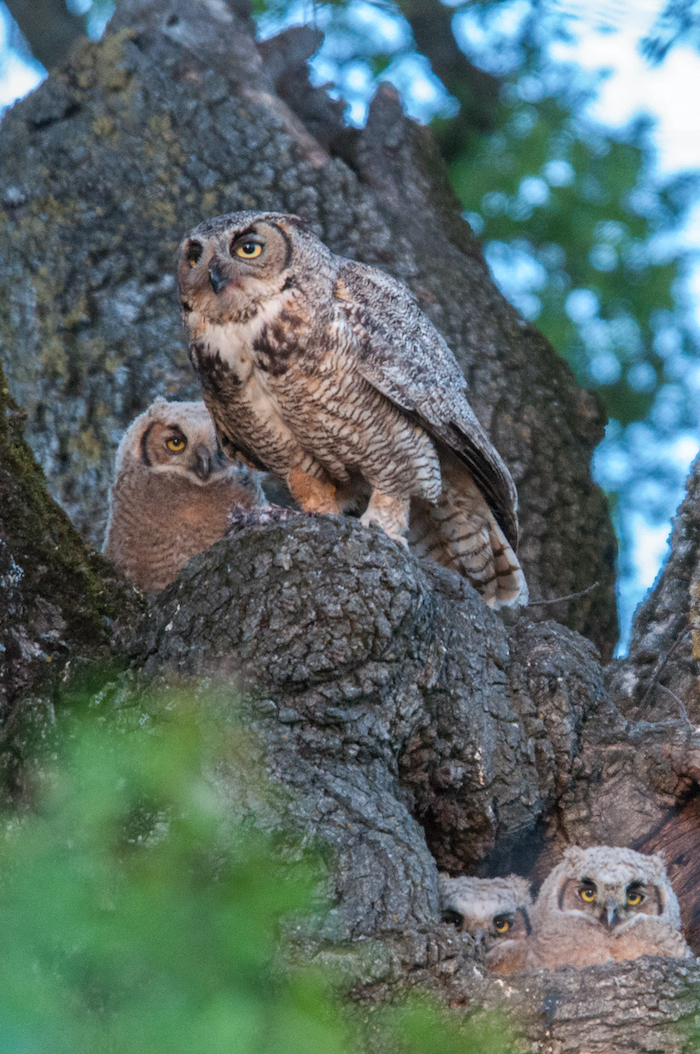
(136, 916)
(142, 908)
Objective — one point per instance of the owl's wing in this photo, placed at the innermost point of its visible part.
(401, 353)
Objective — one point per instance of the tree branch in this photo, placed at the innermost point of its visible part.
(49, 28)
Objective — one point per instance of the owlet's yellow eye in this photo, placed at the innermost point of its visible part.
(634, 897)
(501, 925)
(177, 444)
(587, 894)
(249, 250)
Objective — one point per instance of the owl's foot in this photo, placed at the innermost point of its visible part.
(314, 495)
(391, 514)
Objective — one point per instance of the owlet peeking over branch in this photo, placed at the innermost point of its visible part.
(173, 495)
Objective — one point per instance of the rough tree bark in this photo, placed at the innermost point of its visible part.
(660, 680)
(415, 730)
(58, 599)
(406, 725)
(662, 665)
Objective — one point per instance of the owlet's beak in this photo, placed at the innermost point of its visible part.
(611, 915)
(201, 463)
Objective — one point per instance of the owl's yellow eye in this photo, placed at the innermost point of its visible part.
(634, 897)
(177, 444)
(249, 250)
(587, 894)
(501, 925)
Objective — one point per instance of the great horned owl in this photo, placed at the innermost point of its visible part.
(173, 493)
(605, 904)
(327, 373)
(495, 910)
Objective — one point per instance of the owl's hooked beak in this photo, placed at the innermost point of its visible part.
(611, 913)
(218, 279)
(201, 463)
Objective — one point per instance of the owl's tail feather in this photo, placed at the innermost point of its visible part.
(461, 532)
(511, 587)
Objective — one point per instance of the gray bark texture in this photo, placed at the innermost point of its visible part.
(390, 688)
(58, 601)
(659, 681)
(661, 675)
(404, 725)
(413, 728)
(48, 26)
(174, 118)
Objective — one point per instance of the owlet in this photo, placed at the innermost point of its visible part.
(173, 495)
(495, 911)
(605, 904)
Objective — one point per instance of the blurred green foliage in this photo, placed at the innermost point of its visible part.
(139, 915)
(573, 211)
(135, 917)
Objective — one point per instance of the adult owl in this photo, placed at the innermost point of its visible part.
(173, 495)
(605, 904)
(326, 373)
(495, 911)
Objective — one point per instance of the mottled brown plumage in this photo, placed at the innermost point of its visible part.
(173, 495)
(326, 373)
(605, 904)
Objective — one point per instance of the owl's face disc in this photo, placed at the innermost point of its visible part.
(229, 265)
(174, 438)
(612, 885)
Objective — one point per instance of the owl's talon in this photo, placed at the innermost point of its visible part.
(391, 514)
(375, 522)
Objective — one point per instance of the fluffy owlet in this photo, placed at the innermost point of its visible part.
(605, 904)
(495, 910)
(173, 493)
(327, 373)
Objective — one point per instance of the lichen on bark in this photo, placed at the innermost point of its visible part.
(59, 601)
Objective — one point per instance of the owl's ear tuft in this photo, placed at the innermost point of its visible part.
(521, 888)
(657, 862)
(299, 222)
(574, 854)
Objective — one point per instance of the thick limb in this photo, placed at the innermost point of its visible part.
(391, 514)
